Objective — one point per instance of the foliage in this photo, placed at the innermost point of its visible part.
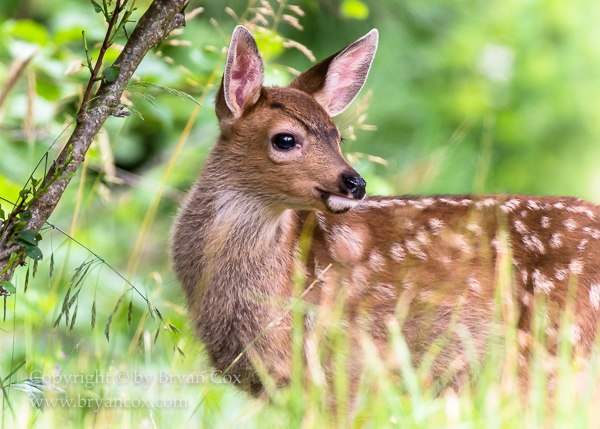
(465, 96)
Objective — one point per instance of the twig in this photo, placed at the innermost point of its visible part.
(6, 253)
(96, 70)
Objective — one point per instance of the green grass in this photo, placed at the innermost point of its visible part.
(140, 365)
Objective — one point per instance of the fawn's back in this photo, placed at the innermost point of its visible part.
(277, 172)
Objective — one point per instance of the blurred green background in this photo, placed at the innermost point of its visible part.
(463, 96)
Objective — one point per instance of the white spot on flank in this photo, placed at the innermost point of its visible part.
(592, 232)
(346, 241)
(570, 224)
(449, 201)
(436, 225)
(576, 266)
(533, 243)
(560, 274)
(510, 205)
(533, 205)
(555, 241)
(408, 224)
(524, 276)
(488, 202)
(413, 247)
(474, 228)
(582, 244)
(541, 283)
(416, 204)
(526, 299)
(595, 295)
(423, 238)
(523, 213)
(465, 202)
(462, 244)
(397, 252)
(427, 201)
(376, 260)
(582, 210)
(520, 227)
(559, 206)
(545, 222)
(474, 284)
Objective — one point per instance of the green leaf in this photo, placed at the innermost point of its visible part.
(34, 253)
(9, 287)
(97, 7)
(111, 73)
(2, 214)
(26, 215)
(28, 236)
(354, 9)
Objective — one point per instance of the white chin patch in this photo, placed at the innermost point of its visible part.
(339, 204)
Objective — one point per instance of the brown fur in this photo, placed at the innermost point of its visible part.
(236, 237)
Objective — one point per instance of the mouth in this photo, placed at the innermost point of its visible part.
(336, 203)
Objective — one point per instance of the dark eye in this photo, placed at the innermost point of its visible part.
(284, 141)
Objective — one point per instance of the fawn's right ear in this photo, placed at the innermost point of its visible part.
(243, 77)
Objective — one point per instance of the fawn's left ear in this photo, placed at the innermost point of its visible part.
(337, 80)
(243, 75)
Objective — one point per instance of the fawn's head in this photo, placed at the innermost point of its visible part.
(281, 143)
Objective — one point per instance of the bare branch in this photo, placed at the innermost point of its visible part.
(6, 253)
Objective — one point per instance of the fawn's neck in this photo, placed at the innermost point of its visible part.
(247, 248)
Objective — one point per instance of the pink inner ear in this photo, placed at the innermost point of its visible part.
(246, 76)
(344, 79)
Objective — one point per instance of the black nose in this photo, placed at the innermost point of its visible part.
(354, 184)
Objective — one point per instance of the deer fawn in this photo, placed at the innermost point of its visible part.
(278, 162)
